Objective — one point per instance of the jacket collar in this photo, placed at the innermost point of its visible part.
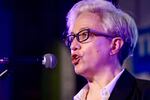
(124, 87)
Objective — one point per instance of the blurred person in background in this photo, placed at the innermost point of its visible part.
(100, 37)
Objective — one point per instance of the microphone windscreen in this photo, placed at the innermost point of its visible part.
(49, 61)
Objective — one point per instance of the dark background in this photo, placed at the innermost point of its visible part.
(38, 25)
(29, 28)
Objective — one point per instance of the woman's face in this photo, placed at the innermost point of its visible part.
(90, 57)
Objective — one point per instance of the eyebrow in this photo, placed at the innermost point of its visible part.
(81, 29)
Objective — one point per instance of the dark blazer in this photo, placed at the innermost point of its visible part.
(130, 88)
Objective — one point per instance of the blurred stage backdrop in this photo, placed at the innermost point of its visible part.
(34, 27)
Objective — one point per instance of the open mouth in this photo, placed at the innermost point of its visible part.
(75, 59)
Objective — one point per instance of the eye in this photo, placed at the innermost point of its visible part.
(83, 36)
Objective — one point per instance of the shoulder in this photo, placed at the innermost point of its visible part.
(140, 83)
(143, 86)
(139, 86)
(143, 83)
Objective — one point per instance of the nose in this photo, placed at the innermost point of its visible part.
(75, 45)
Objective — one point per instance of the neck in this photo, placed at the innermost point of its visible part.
(104, 76)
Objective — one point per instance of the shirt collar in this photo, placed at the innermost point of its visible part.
(104, 92)
(109, 87)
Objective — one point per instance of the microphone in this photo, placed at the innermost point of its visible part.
(48, 60)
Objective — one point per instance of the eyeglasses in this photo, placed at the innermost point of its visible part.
(83, 35)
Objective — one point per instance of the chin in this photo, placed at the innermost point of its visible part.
(78, 70)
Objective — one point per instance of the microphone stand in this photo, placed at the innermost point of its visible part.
(3, 61)
(3, 72)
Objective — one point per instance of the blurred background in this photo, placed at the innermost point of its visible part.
(34, 27)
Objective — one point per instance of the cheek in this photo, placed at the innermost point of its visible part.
(102, 47)
(91, 55)
(97, 53)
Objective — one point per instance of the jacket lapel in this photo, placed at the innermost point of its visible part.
(124, 87)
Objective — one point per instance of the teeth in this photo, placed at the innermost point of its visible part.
(75, 59)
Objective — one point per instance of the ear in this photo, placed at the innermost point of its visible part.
(116, 45)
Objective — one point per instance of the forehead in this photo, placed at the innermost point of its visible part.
(87, 20)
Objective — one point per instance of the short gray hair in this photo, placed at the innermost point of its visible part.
(114, 21)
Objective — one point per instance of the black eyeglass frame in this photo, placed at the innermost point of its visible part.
(90, 32)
